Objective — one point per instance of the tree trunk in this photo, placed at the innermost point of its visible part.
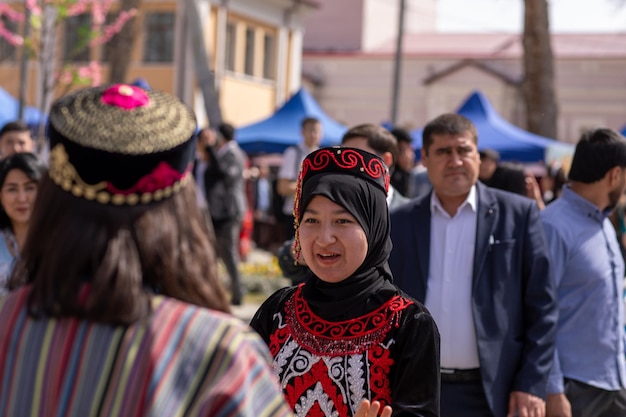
(538, 87)
(120, 47)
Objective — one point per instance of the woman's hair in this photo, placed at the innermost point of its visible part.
(123, 253)
(29, 165)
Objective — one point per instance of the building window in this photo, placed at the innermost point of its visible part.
(231, 45)
(7, 51)
(76, 38)
(269, 56)
(249, 63)
(159, 38)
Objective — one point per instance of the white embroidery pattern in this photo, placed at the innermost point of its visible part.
(316, 395)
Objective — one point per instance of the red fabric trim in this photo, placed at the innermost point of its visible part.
(323, 337)
(161, 177)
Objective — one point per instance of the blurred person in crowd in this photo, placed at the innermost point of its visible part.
(421, 182)
(115, 294)
(379, 141)
(15, 137)
(495, 174)
(401, 177)
(225, 192)
(348, 334)
(588, 376)
(262, 197)
(287, 176)
(552, 183)
(20, 174)
(477, 257)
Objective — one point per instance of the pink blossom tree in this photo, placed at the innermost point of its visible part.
(44, 19)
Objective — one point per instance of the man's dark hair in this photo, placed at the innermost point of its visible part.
(597, 152)
(227, 131)
(15, 126)
(309, 120)
(402, 135)
(447, 124)
(378, 138)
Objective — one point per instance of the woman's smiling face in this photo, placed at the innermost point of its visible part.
(332, 241)
(17, 196)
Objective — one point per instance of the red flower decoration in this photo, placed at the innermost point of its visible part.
(124, 96)
(162, 176)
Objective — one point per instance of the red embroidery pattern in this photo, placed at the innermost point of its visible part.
(341, 338)
(296, 392)
(379, 373)
(341, 159)
(346, 159)
(277, 339)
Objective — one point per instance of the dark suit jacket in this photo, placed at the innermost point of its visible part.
(513, 293)
(224, 183)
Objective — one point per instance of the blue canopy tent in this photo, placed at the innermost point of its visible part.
(283, 128)
(9, 110)
(513, 143)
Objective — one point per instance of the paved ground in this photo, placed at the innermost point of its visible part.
(261, 276)
(245, 311)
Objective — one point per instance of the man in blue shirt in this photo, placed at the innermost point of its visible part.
(588, 377)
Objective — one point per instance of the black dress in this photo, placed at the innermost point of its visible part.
(326, 368)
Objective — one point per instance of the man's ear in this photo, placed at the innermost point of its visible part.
(613, 175)
(388, 158)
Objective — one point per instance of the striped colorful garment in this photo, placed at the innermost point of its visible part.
(183, 361)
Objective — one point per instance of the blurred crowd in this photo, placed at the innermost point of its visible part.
(440, 281)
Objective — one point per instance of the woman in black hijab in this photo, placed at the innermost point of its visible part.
(348, 334)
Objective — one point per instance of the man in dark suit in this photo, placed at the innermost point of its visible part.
(478, 259)
(225, 194)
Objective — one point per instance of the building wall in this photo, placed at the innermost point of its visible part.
(361, 25)
(247, 92)
(346, 20)
(357, 88)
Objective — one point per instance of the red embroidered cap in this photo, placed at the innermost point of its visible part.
(120, 144)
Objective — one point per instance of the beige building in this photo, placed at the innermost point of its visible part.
(254, 49)
(353, 80)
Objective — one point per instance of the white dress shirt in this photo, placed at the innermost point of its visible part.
(449, 291)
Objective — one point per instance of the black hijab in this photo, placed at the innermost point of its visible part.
(363, 196)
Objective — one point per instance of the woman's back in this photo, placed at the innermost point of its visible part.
(182, 360)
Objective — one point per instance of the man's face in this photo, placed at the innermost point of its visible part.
(453, 163)
(312, 134)
(16, 142)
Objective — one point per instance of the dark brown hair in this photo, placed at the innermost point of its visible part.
(123, 253)
(447, 124)
(378, 138)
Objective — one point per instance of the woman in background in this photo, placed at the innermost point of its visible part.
(20, 174)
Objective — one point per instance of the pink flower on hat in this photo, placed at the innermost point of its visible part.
(125, 96)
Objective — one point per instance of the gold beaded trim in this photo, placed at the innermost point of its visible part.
(63, 174)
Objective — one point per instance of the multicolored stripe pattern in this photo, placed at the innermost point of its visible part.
(183, 361)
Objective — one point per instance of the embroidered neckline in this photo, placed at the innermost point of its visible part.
(348, 337)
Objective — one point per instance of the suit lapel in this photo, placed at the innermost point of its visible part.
(485, 223)
(421, 234)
